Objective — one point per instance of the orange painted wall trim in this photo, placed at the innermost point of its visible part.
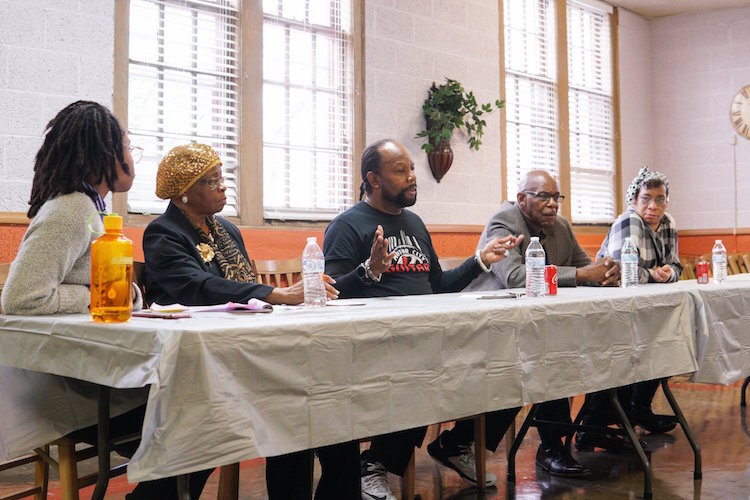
(274, 243)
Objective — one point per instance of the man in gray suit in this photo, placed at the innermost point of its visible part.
(534, 213)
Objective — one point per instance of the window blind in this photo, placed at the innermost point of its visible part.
(530, 89)
(592, 162)
(307, 108)
(183, 87)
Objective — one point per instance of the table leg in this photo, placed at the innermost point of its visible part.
(102, 479)
(407, 481)
(647, 478)
(183, 487)
(517, 444)
(229, 482)
(697, 471)
(480, 451)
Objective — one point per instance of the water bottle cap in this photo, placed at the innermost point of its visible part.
(312, 238)
(112, 222)
(717, 241)
(535, 238)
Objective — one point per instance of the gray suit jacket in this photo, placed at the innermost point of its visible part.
(560, 246)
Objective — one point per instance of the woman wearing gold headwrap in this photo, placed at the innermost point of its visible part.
(194, 257)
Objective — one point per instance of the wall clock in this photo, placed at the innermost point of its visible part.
(739, 112)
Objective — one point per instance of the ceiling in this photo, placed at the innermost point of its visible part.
(658, 8)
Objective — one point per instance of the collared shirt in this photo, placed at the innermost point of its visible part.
(655, 248)
(101, 207)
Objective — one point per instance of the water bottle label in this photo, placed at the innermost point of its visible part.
(313, 266)
(625, 258)
(535, 262)
(719, 259)
(122, 260)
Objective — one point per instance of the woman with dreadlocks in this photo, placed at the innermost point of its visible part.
(84, 156)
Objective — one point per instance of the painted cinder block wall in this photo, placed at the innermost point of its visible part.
(55, 51)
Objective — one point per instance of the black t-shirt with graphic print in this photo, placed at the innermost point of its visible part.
(415, 269)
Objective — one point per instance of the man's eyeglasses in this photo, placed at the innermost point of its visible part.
(212, 183)
(646, 200)
(544, 196)
(136, 152)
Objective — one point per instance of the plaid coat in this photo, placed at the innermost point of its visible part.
(655, 248)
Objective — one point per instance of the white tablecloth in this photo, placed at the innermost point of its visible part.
(723, 336)
(228, 387)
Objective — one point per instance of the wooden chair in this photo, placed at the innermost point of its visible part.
(3, 276)
(746, 262)
(688, 268)
(281, 272)
(41, 476)
(733, 265)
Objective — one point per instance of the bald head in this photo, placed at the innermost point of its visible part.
(536, 185)
(534, 179)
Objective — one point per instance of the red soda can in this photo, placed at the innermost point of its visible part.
(701, 271)
(550, 277)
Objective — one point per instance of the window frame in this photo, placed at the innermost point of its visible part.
(563, 114)
(250, 167)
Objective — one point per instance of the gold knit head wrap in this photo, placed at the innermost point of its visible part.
(182, 166)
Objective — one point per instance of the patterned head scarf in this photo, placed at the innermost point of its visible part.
(644, 175)
(182, 166)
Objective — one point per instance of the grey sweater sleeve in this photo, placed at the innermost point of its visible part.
(51, 272)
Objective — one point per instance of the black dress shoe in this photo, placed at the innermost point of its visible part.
(558, 461)
(650, 421)
(587, 441)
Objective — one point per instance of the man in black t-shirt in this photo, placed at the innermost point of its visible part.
(379, 249)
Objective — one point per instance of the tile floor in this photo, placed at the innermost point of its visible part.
(712, 411)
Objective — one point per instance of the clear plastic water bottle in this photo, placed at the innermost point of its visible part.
(629, 264)
(313, 267)
(719, 260)
(535, 258)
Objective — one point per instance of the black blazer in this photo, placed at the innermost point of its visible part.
(176, 273)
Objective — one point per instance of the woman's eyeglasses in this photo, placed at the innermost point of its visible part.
(136, 152)
(212, 183)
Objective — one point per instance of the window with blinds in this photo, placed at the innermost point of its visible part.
(530, 89)
(183, 79)
(307, 108)
(592, 162)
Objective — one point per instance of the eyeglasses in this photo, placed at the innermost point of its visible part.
(136, 152)
(544, 196)
(212, 183)
(646, 200)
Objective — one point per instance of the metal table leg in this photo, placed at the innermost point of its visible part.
(697, 471)
(517, 444)
(102, 479)
(647, 477)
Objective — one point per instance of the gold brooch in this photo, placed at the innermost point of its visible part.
(207, 253)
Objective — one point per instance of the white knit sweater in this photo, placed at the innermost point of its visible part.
(52, 271)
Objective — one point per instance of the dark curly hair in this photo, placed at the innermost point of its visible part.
(83, 141)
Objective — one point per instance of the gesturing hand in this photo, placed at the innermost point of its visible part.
(380, 259)
(497, 249)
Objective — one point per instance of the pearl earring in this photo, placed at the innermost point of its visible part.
(184, 199)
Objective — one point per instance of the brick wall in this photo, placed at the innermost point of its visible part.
(408, 46)
(52, 52)
(699, 62)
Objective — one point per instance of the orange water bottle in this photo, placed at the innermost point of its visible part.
(111, 274)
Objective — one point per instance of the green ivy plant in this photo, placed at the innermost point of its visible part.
(448, 107)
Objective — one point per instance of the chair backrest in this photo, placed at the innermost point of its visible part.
(448, 263)
(3, 276)
(746, 262)
(733, 263)
(688, 268)
(280, 272)
(139, 278)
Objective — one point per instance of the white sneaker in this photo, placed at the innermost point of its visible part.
(460, 459)
(375, 482)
